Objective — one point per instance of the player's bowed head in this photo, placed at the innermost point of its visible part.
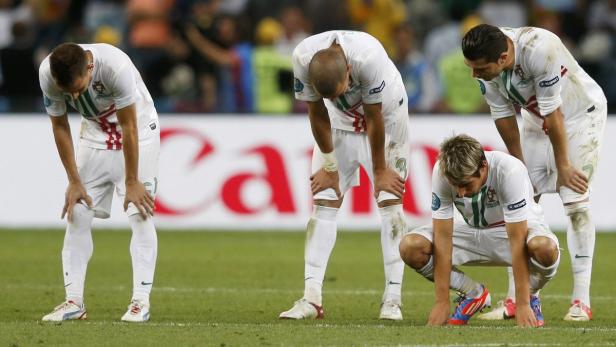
(71, 68)
(329, 72)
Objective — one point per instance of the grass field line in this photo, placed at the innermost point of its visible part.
(324, 326)
(610, 298)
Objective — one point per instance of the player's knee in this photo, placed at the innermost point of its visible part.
(544, 250)
(415, 250)
(578, 213)
(328, 203)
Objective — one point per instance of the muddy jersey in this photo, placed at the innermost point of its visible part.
(506, 197)
(545, 76)
(115, 84)
(374, 78)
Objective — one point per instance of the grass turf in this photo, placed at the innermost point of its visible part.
(227, 289)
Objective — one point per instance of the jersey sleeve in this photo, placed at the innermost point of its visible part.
(301, 83)
(123, 85)
(372, 77)
(442, 199)
(545, 65)
(53, 99)
(514, 188)
(500, 107)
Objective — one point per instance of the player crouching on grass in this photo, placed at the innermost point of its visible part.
(502, 226)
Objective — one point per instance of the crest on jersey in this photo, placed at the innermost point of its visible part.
(99, 88)
(518, 71)
(491, 198)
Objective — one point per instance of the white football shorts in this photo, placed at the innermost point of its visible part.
(101, 171)
(353, 149)
(584, 145)
(473, 246)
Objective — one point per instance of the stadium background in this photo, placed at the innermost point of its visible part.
(235, 157)
(219, 70)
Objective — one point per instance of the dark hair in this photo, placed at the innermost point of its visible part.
(484, 42)
(67, 62)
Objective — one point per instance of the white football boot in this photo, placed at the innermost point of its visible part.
(303, 309)
(391, 310)
(578, 312)
(503, 310)
(67, 310)
(137, 312)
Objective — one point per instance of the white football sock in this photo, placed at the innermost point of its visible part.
(143, 251)
(393, 228)
(540, 275)
(76, 252)
(511, 289)
(581, 244)
(320, 240)
(458, 280)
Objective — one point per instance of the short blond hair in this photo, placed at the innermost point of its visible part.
(461, 156)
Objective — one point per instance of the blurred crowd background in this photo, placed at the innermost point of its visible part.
(234, 56)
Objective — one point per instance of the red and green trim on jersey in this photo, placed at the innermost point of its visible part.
(359, 122)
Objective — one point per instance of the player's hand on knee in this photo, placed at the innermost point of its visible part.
(525, 317)
(141, 198)
(322, 179)
(439, 314)
(75, 193)
(388, 180)
(572, 178)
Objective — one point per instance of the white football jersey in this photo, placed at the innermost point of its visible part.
(374, 78)
(545, 76)
(506, 197)
(115, 84)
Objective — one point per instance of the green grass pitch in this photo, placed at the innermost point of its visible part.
(227, 289)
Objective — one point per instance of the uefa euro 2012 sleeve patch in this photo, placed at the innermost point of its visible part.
(298, 85)
(436, 202)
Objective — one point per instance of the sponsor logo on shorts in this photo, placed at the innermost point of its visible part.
(298, 86)
(545, 84)
(377, 89)
(153, 126)
(516, 205)
(436, 202)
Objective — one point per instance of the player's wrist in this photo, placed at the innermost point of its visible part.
(330, 163)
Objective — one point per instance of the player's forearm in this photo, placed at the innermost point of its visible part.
(443, 233)
(517, 233)
(558, 137)
(64, 144)
(320, 125)
(130, 141)
(510, 133)
(375, 128)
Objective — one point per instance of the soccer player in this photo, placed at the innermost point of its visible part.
(502, 226)
(357, 107)
(118, 150)
(563, 112)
